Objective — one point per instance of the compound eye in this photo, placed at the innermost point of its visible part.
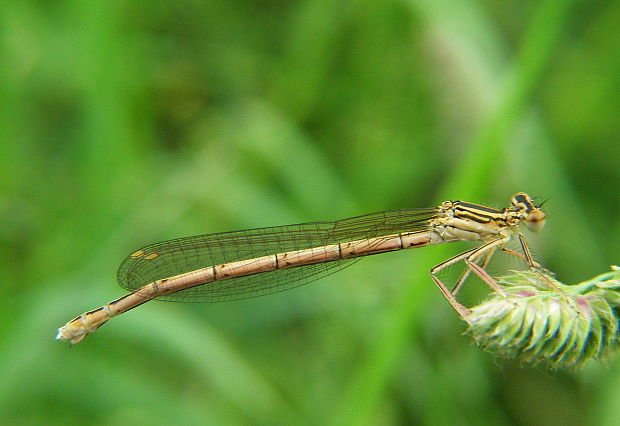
(535, 221)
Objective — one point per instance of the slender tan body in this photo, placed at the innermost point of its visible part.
(455, 221)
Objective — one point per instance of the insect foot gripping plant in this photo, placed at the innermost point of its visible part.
(538, 325)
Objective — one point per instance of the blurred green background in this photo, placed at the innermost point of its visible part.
(129, 122)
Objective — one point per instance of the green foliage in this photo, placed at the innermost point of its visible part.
(126, 123)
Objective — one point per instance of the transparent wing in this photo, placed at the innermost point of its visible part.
(169, 258)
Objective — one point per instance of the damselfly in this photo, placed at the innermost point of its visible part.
(243, 264)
